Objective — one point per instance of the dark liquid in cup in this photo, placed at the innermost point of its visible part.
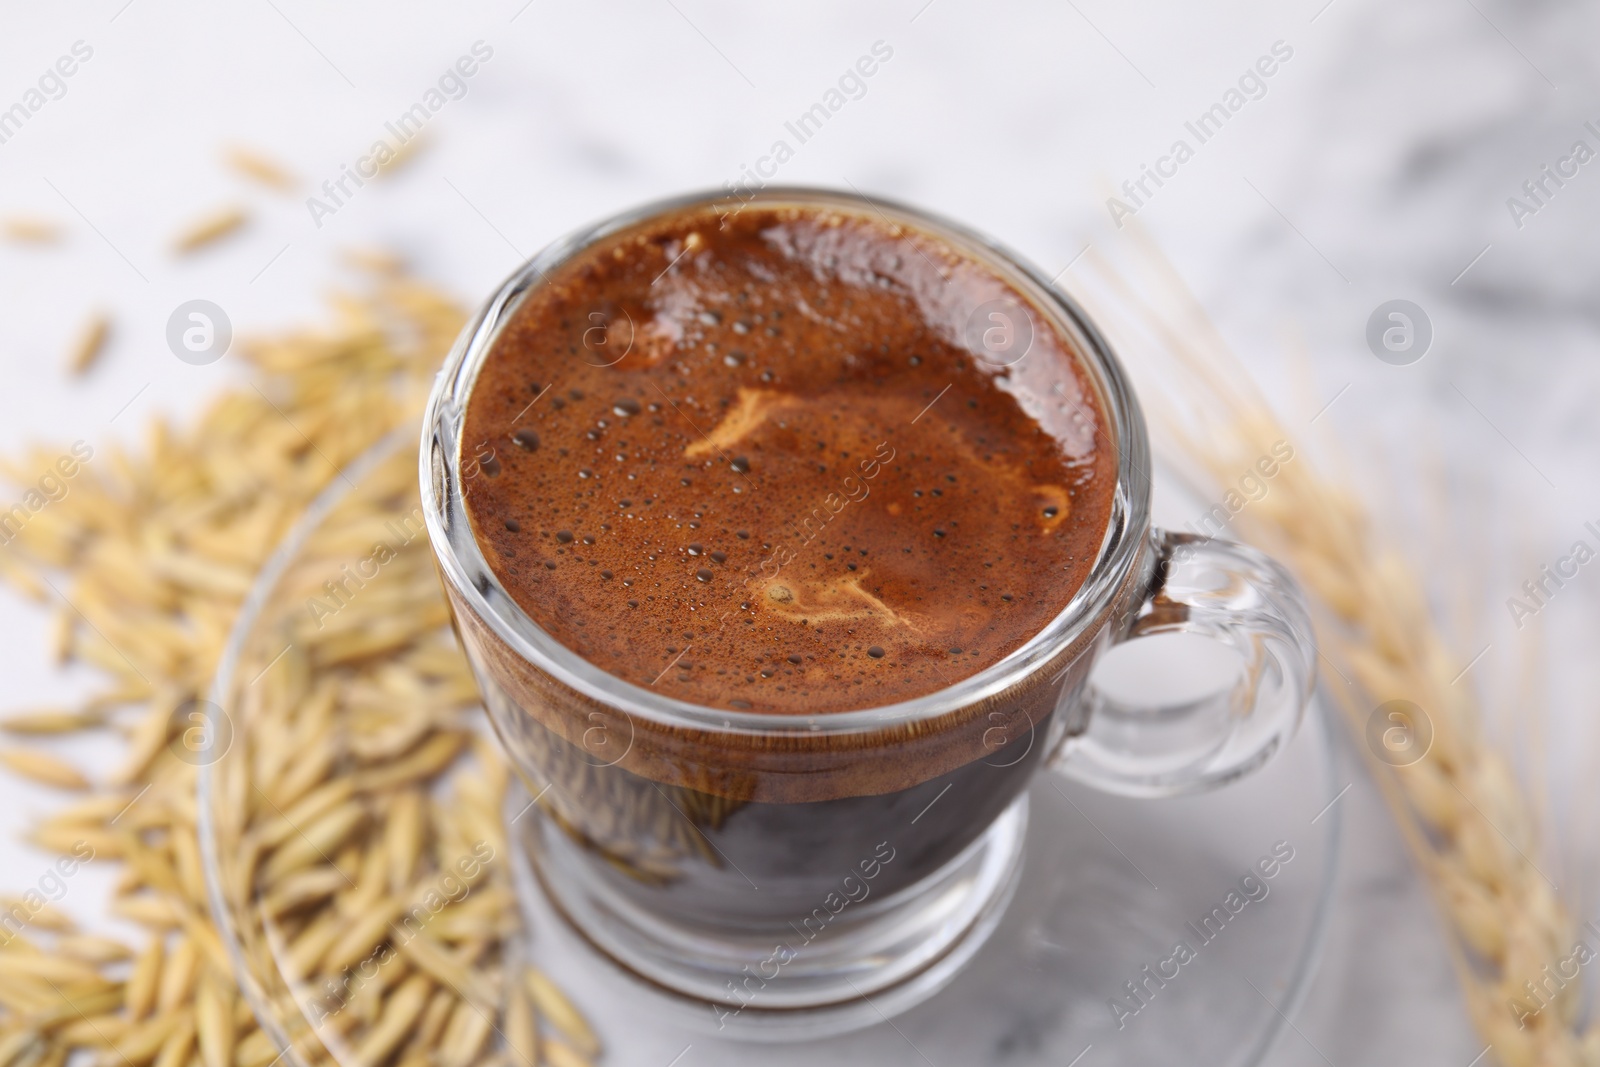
(796, 461)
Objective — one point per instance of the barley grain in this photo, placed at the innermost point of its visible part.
(43, 768)
(31, 231)
(178, 976)
(465, 1035)
(214, 1024)
(179, 1044)
(399, 1017)
(142, 1043)
(554, 1008)
(51, 721)
(90, 343)
(93, 949)
(254, 165)
(561, 1054)
(255, 1050)
(521, 1027)
(210, 229)
(145, 979)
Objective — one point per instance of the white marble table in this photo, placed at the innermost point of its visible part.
(1375, 162)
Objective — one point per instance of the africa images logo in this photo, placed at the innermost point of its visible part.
(406, 128)
(1251, 85)
(51, 85)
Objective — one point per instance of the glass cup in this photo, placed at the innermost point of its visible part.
(777, 869)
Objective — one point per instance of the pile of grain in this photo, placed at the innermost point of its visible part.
(363, 781)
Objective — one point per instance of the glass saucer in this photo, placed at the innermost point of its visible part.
(1171, 931)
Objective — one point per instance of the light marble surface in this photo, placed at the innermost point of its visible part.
(1376, 165)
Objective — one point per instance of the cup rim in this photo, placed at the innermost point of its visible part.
(465, 569)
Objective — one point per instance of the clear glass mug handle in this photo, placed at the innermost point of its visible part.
(1241, 599)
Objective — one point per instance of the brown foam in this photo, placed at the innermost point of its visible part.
(814, 466)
